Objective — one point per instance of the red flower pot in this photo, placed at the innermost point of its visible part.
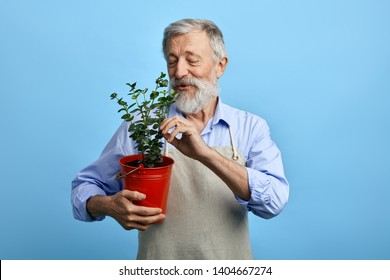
(153, 182)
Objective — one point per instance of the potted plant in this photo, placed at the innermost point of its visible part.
(149, 171)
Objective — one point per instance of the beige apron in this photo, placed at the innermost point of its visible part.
(203, 219)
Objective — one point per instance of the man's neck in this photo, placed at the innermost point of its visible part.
(201, 118)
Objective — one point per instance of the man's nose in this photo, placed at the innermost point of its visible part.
(181, 69)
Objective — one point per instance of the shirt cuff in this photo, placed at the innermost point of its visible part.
(258, 185)
(80, 196)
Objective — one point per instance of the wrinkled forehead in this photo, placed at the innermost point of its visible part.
(191, 42)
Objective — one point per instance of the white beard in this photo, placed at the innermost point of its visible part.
(189, 103)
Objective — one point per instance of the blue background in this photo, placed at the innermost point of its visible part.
(317, 71)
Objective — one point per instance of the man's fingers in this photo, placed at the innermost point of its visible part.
(151, 219)
(166, 125)
(140, 222)
(145, 211)
(131, 208)
(133, 195)
(173, 134)
(140, 210)
(171, 127)
(172, 122)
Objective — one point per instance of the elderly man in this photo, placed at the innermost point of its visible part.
(225, 163)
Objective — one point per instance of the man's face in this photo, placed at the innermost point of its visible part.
(192, 70)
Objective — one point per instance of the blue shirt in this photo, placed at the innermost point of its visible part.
(267, 182)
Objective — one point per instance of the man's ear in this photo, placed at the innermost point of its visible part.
(221, 66)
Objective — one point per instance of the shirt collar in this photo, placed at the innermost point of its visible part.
(220, 114)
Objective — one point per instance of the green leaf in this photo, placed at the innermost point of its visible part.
(134, 110)
(132, 86)
(122, 103)
(154, 94)
(126, 116)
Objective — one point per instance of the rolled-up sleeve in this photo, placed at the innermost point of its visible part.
(80, 195)
(266, 179)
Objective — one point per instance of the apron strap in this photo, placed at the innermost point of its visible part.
(235, 153)
(165, 152)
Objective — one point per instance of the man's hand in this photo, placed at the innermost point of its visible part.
(120, 207)
(191, 143)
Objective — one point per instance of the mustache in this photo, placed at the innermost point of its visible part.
(185, 81)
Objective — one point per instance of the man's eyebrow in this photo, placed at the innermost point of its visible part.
(171, 54)
(192, 53)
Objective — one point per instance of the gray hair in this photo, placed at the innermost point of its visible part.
(187, 25)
